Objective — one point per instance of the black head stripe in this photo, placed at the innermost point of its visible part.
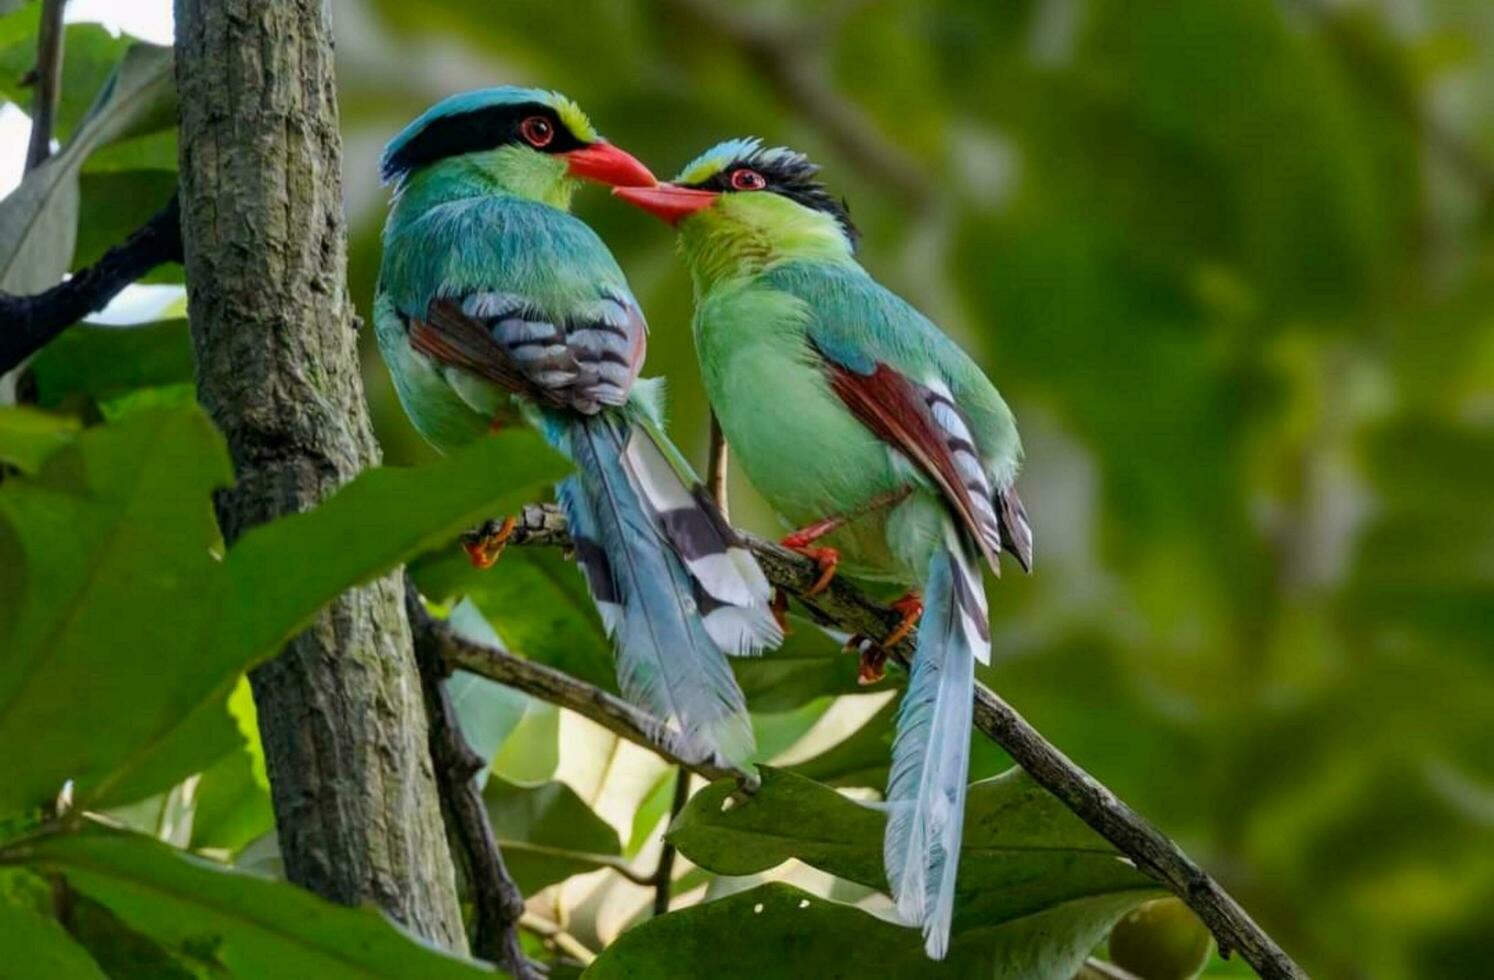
(789, 175)
(471, 132)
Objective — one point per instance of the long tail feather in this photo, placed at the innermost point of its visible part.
(931, 751)
(667, 660)
(730, 589)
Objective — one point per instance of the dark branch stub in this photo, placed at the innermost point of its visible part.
(496, 897)
(29, 323)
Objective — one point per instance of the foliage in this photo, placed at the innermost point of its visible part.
(1236, 290)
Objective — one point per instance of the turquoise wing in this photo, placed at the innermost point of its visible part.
(915, 388)
(520, 295)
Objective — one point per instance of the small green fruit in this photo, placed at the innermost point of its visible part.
(1161, 940)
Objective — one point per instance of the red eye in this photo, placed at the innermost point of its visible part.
(537, 131)
(747, 180)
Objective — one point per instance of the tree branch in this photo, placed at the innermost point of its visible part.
(556, 687)
(32, 322)
(496, 898)
(663, 877)
(48, 80)
(847, 608)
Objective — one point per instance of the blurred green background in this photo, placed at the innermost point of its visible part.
(1230, 262)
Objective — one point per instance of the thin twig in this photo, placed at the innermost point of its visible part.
(664, 875)
(716, 467)
(48, 79)
(564, 941)
(847, 608)
(29, 323)
(498, 902)
(608, 861)
(1094, 969)
(559, 688)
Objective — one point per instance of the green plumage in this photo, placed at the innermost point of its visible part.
(841, 401)
(760, 323)
(496, 303)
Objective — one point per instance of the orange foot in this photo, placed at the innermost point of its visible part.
(827, 558)
(779, 608)
(911, 606)
(873, 659)
(485, 545)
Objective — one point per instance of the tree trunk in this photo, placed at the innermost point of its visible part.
(340, 710)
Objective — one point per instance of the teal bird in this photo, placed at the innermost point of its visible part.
(494, 300)
(870, 431)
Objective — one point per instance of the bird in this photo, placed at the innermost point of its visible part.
(495, 304)
(869, 431)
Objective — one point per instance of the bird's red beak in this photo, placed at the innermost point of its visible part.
(607, 164)
(667, 201)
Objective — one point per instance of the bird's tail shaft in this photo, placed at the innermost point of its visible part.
(931, 751)
(667, 660)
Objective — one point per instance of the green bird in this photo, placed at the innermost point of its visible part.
(870, 431)
(494, 300)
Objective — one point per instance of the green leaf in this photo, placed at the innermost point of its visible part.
(121, 593)
(36, 945)
(653, 808)
(115, 204)
(537, 601)
(38, 221)
(28, 437)
(1023, 852)
(281, 574)
(487, 712)
(547, 833)
(233, 922)
(127, 620)
(531, 752)
(778, 930)
(101, 363)
(233, 808)
(810, 664)
(123, 953)
(862, 759)
(90, 54)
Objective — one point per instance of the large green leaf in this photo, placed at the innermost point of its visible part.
(38, 221)
(547, 833)
(1024, 854)
(488, 712)
(120, 595)
(777, 930)
(36, 945)
(28, 437)
(233, 796)
(861, 759)
(231, 922)
(123, 616)
(90, 54)
(281, 573)
(100, 363)
(809, 664)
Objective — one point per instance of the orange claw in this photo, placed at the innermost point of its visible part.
(873, 659)
(827, 558)
(779, 608)
(485, 545)
(911, 606)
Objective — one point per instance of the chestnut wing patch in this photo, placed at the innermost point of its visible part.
(924, 423)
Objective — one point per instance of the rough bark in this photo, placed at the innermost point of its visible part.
(340, 709)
